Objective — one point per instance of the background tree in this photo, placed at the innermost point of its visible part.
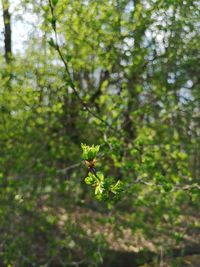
(7, 30)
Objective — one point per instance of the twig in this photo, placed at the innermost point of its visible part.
(69, 167)
(70, 80)
(175, 188)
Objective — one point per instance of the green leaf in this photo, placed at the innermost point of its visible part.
(117, 188)
(54, 2)
(99, 189)
(51, 43)
(53, 21)
(167, 187)
(89, 152)
(100, 176)
(91, 179)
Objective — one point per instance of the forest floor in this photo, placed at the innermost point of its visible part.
(176, 245)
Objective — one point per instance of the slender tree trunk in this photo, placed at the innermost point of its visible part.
(8, 57)
(7, 30)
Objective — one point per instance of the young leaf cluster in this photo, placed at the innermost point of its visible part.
(89, 152)
(104, 188)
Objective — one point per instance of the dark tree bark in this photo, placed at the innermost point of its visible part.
(7, 30)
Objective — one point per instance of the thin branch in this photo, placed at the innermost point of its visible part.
(174, 188)
(70, 80)
(73, 166)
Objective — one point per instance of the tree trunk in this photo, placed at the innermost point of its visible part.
(7, 30)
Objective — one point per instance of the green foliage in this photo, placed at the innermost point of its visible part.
(104, 187)
(51, 43)
(89, 152)
(135, 68)
(54, 2)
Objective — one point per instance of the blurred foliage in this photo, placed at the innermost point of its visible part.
(135, 67)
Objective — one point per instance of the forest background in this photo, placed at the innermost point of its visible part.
(100, 133)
